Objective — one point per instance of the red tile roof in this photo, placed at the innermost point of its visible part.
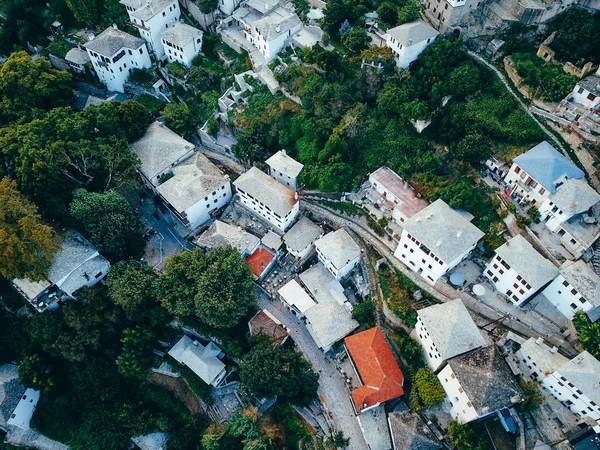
(381, 377)
(262, 323)
(260, 260)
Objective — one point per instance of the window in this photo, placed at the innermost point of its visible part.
(580, 90)
(495, 266)
(565, 283)
(573, 306)
(460, 390)
(573, 291)
(517, 169)
(591, 97)
(495, 280)
(452, 376)
(489, 272)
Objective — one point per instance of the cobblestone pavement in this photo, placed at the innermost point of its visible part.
(332, 387)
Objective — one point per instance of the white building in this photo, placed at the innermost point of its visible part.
(394, 196)
(196, 191)
(221, 234)
(300, 239)
(151, 18)
(518, 271)
(575, 384)
(204, 361)
(285, 169)
(445, 331)
(76, 265)
(159, 150)
(435, 240)
(573, 213)
(318, 298)
(114, 54)
(577, 287)
(268, 198)
(407, 41)
(587, 92)
(338, 252)
(478, 384)
(582, 107)
(541, 360)
(537, 173)
(181, 43)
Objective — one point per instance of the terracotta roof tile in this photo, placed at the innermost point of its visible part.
(260, 260)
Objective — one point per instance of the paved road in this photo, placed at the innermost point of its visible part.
(331, 385)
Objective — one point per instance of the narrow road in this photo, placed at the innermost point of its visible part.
(332, 387)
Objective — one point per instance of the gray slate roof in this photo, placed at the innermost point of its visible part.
(152, 441)
(203, 361)
(584, 372)
(285, 164)
(111, 41)
(451, 328)
(445, 231)
(181, 34)
(374, 426)
(546, 361)
(276, 23)
(147, 9)
(338, 247)
(409, 432)
(220, 234)
(583, 279)
(591, 84)
(159, 148)
(520, 255)
(265, 189)
(413, 33)
(11, 391)
(302, 235)
(486, 378)
(193, 179)
(546, 165)
(575, 196)
(77, 56)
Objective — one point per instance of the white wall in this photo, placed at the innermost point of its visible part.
(461, 407)
(580, 95)
(200, 212)
(504, 280)
(228, 6)
(183, 55)
(565, 297)
(281, 223)
(566, 392)
(430, 268)
(552, 215)
(270, 49)
(156, 25)
(431, 353)
(284, 179)
(114, 74)
(341, 272)
(405, 55)
(529, 193)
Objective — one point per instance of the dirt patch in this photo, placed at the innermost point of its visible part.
(181, 391)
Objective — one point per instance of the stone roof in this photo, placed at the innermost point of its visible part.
(486, 379)
(277, 23)
(203, 361)
(409, 432)
(575, 196)
(28, 438)
(546, 361)
(264, 322)
(285, 164)
(77, 56)
(520, 255)
(412, 33)
(295, 295)
(111, 41)
(152, 441)
(181, 34)
(443, 230)
(266, 190)
(147, 9)
(547, 166)
(583, 279)
(381, 377)
(220, 234)
(338, 247)
(271, 240)
(11, 391)
(322, 285)
(159, 149)
(409, 204)
(374, 426)
(192, 181)
(451, 328)
(584, 372)
(591, 84)
(302, 235)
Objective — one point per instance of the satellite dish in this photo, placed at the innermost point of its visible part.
(478, 290)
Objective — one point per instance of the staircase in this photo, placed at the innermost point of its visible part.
(596, 257)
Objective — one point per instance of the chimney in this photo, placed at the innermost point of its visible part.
(283, 152)
(539, 341)
(278, 28)
(554, 349)
(438, 243)
(410, 42)
(459, 233)
(295, 196)
(91, 37)
(115, 26)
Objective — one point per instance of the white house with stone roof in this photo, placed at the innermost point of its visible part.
(204, 361)
(576, 385)
(445, 331)
(114, 54)
(77, 58)
(338, 252)
(196, 191)
(407, 41)
(478, 384)
(435, 240)
(159, 150)
(285, 169)
(299, 240)
(268, 198)
(539, 359)
(577, 287)
(182, 43)
(151, 18)
(220, 234)
(518, 271)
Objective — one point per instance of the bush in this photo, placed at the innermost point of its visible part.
(523, 221)
(152, 104)
(213, 127)
(141, 76)
(364, 313)
(428, 388)
(177, 69)
(533, 396)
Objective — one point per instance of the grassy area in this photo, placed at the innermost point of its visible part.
(349, 209)
(196, 385)
(154, 105)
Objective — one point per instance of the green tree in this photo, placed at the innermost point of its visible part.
(180, 118)
(473, 148)
(356, 39)
(136, 354)
(409, 12)
(388, 13)
(336, 12)
(429, 388)
(86, 11)
(27, 246)
(533, 396)
(131, 285)
(463, 436)
(276, 370)
(589, 333)
(109, 222)
(36, 373)
(22, 22)
(364, 313)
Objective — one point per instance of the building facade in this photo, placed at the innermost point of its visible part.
(446, 14)
(285, 169)
(407, 41)
(338, 252)
(182, 43)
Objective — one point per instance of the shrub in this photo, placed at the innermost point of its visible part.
(177, 69)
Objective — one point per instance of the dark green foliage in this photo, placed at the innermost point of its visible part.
(268, 370)
(302, 8)
(589, 333)
(550, 79)
(22, 22)
(101, 13)
(180, 118)
(577, 36)
(109, 222)
(131, 285)
(473, 148)
(356, 40)
(464, 437)
(135, 357)
(388, 13)
(533, 396)
(36, 372)
(177, 69)
(152, 104)
(428, 389)
(364, 313)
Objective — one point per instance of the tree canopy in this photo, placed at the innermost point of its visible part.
(131, 285)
